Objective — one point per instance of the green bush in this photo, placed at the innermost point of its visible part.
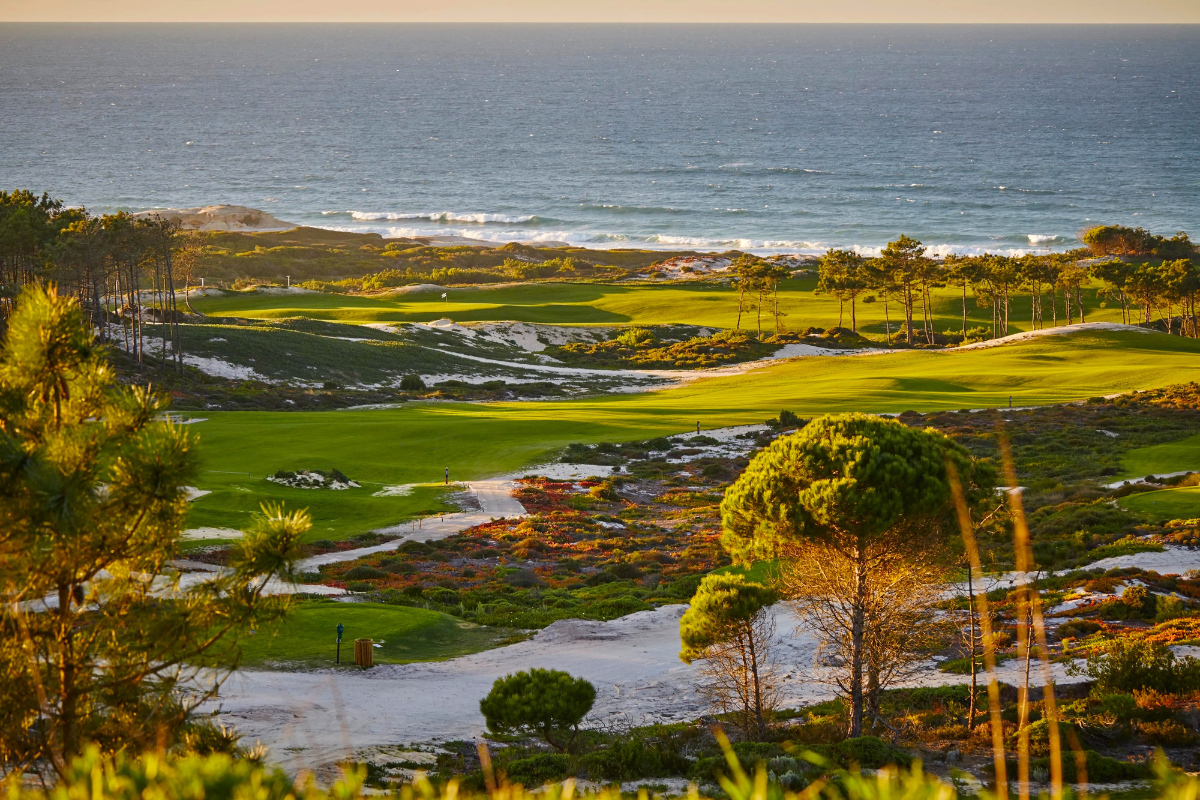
(751, 753)
(539, 769)
(1138, 598)
(523, 578)
(1100, 769)
(1078, 629)
(684, 587)
(1168, 608)
(546, 702)
(631, 757)
(926, 697)
(1167, 733)
(1123, 707)
(1039, 736)
(870, 752)
(625, 571)
(412, 383)
(363, 572)
(1128, 665)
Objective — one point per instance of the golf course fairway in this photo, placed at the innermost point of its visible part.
(415, 443)
(608, 304)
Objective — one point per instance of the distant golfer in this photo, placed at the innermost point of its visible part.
(447, 476)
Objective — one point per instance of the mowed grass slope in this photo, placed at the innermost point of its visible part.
(236, 499)
(1161, 459)
(415, 443)
(603, 304)
(307, 636)
(1167, 504)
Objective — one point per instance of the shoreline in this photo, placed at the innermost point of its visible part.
(470, 229)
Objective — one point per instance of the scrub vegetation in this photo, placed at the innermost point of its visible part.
(829, 510)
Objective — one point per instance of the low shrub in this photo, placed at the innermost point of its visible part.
(1122, 707)
(1127, 665)
(926, 697)
(870, 752)
(1078, 629)
(1167, 733)
(1100, 769)
(523, 578)
(539, 769)
(631, 757)
(363, 572)
(625, 571)
(1168, 608)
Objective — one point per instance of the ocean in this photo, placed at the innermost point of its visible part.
(773, 138)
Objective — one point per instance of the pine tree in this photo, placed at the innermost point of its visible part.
(99, 636)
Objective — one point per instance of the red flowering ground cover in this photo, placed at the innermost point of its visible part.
(585, 550)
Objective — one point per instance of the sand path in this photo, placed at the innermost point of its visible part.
(310, 719)
(316, 718)
(495, 502)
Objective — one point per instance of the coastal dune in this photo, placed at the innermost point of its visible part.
(219, 218)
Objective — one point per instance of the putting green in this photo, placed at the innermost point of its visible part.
(415, 443)
(604, 304)
(1162, 459)
(307, 636)
(1167, 504)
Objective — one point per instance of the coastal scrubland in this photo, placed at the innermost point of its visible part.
(1089, 423)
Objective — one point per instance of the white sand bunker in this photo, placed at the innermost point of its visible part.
(1080, 327)
(212, 533)
(316, 718)
(401, 490)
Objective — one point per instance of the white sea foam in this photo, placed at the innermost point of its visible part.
(500, 234)
(1039, 238)
(443, 216)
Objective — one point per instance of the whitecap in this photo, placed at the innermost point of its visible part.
(481, 218)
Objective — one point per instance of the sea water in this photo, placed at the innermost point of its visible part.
(771, 138)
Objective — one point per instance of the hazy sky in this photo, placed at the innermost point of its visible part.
(1045, 11)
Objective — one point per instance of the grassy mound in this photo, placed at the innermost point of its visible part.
(307, 637)
(235, 499)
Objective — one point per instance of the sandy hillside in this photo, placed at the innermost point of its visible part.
(220, 218)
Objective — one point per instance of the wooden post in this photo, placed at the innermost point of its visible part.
(364, 652)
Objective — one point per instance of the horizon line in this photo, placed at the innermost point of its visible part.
(589, 23)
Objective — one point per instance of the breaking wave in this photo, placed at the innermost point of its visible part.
(448, 217)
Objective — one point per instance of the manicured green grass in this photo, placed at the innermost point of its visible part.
(235, 499)
(307, 637)
(1162, 459)
(602, 304)
(764, 572)
(413, 444)
(1182, 503)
